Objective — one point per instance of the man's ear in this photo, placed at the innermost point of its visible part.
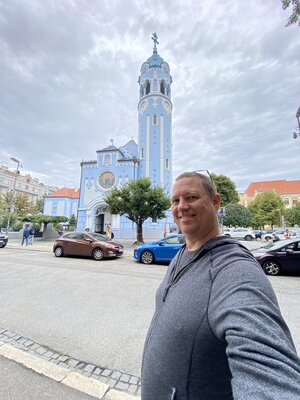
(217, 201)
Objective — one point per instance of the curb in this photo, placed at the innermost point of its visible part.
(74, 380)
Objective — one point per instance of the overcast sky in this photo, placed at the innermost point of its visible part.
(69, 71)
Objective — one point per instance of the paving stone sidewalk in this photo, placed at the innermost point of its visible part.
(115, 379)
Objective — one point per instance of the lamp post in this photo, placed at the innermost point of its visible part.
(296, 134)
(13, 191)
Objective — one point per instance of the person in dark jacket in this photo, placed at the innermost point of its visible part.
(217, 332)
(26, 234)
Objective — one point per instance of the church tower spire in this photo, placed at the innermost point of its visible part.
(155, 120)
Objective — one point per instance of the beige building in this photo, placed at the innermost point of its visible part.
(25, 184)
(289, 191)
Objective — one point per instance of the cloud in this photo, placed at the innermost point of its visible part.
(69, 71)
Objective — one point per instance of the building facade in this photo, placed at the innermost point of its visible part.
(25, 185)
(63, 202)
(150, 157)
(289, 191)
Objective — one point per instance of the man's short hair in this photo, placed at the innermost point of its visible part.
(206, 182)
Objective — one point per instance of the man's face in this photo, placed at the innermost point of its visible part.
(194, 210)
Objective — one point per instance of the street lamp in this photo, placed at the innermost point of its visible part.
(296, 134)
(13, 191)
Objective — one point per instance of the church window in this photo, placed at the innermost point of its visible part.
(154, 120)
(107, 159)
(142, 153)
(147, 87)
(162, 87)
(154, 85)
(167, 163)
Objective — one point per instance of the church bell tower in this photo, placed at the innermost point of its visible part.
(155, 121)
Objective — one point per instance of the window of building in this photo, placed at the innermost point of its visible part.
(154, 120)
(142, 153)
(147, 87)
(167, 163)
(286, 201)
(162, 87)
(107, 159)
(154, 220)
(54, 208)
(295, 201)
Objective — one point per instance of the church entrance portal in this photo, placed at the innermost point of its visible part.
(101, 220)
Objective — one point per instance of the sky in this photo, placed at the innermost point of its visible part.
(68, 84)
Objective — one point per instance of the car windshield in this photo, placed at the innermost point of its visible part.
(277, 245)
(98, 236)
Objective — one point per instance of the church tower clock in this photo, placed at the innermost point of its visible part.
(155, 121)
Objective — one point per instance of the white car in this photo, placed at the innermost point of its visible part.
(280, 235)
(240, 233)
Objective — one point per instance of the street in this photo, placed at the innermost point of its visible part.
(97, 312)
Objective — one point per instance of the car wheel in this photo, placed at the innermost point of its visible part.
(271, 267)
(97, 254)
(248, 237)
(58, 252)
(147, 257)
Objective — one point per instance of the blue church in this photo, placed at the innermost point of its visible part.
(151, 157)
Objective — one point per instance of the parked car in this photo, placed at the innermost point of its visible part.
(280, 234)
(87, 244)
(240, 233)
(3, 239)
(279, 257)
(267, 235)
(161, 251)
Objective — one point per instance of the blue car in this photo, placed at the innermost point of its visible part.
(161, 251)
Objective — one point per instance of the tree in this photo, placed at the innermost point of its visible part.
(266, 209)
(292, 215)
(39, 219)
(227, 189)
(237, 215)
(138, 201)
(295, 16)
(40, 204)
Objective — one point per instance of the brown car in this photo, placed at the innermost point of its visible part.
(87, 244)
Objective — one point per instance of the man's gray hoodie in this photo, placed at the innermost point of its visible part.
(217, 332)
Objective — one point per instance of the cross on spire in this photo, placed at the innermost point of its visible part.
(154, 38)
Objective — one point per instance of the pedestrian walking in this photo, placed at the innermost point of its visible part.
(217, 332)
(31, 235)
(60, 230)
(26, 234)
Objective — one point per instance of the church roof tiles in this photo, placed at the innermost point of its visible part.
(280, 187)
(66, 192)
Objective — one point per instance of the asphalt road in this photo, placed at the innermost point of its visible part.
(98, 312)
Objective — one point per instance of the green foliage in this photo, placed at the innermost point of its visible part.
(237, 215)
(16, 226)
(138, 201)
(227, 189)
(266, 209)
(292, 215)
(295, 16)
(40, 204)
(45, 219)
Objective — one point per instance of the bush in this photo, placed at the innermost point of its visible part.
(17, 226)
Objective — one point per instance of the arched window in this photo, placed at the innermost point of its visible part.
(162, 87)
(167, 163)
(154, 120)
(107, 159)
(147, 87)
(154, 85)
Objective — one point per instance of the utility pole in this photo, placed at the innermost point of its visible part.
(11, 205)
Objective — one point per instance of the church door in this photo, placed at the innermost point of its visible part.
(99, 225)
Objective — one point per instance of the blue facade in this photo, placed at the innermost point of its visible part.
(151, 157)
(60, 206)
